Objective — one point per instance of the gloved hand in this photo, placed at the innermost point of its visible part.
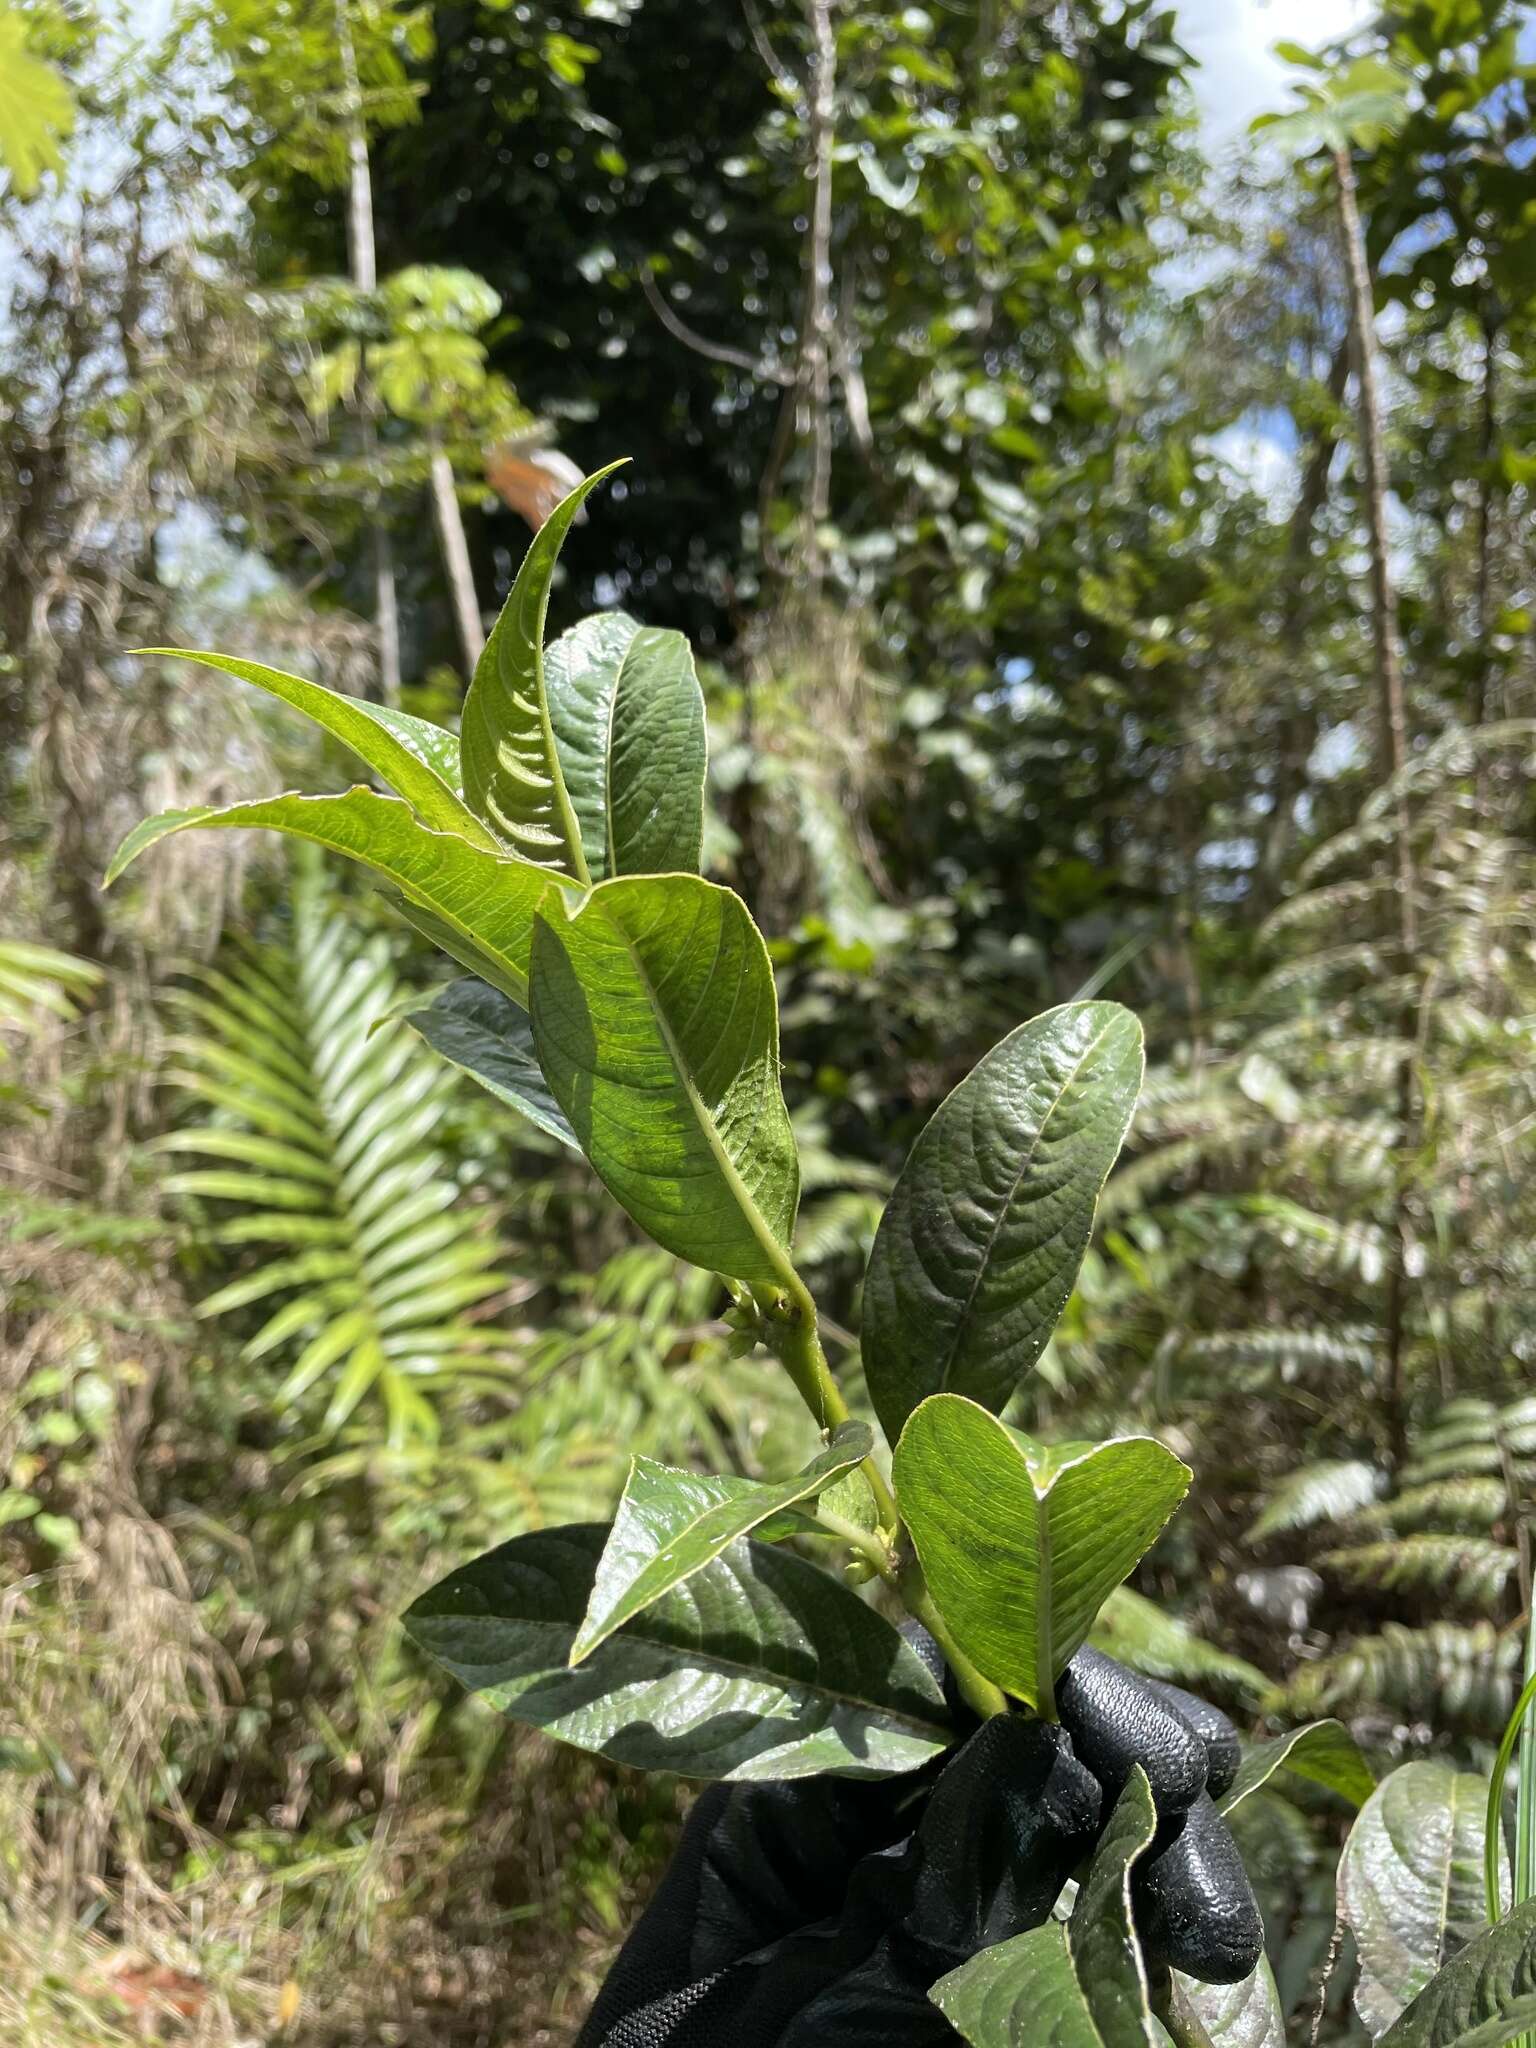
(817, 1914)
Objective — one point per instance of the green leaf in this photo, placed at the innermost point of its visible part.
(419, 761)
(36, 108)
(760, 1667)
(512, 772)
(478, 1029)
(1246, 2015)
(670, 1524)
(1324, 1751)
(1076, 1986)
(656, 1024)
(979, 1247)
(1411, 1887)
(1021, 1543)
(478, 906)
(628, 720)
(1483, 1998)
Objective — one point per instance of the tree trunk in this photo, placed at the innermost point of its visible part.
(363, 260)
(816, 367)
(1478, 702)
(461, 577)
(1393, 738)
(1393, 758)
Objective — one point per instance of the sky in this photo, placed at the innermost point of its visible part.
(1238, 75)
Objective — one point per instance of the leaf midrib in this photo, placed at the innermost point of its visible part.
(757, 1223)
(707, 1660)
(786, 1493)
(1004, 1206)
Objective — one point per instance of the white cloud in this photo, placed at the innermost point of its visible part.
(1238, 75)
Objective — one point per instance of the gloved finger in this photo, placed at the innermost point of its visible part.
(1223, 1749)
(1193, 1905)
(1007, 1821)
(1116, 1721)
(754, 1864)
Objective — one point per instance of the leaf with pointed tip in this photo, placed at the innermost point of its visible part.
(480, 1030)
(1483, 1998)
(1323, 1751)
(656, 1024)
(759, 1667)
(1246, 2015)
(478, 905)
(1411, 1882)
(980, 1244)
(1079, 1985)
(628, 720)
(671, 1523)
(1020, 1542)
(419, 761)
(512, 773)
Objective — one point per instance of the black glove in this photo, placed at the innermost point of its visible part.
(817, 1914)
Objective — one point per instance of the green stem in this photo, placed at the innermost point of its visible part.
(790, 1328)
(987, 1699)
(872, 1548)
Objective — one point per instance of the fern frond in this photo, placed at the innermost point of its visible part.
(319, 1136)
(1453, 1675)
(1330, 1492)
(1472, 1571)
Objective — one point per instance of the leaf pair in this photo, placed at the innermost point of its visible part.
(653, 1037)
(1021, 1544)
(756, 1665)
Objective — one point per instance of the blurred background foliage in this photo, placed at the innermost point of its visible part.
(942, 354)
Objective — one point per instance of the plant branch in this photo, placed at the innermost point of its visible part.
(716, 351)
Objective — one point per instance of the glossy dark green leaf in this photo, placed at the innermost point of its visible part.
(1411, 1882)
(479, 1029)
(512, 773)
(671, 1523)
(980, 1245)
(419, 761)
(1080, 1985)
(477, 904)
(656, 1024)
(1483, 1998)
(628, 719)
(1020, 1542)
(761, 1666)
(1323, 1751)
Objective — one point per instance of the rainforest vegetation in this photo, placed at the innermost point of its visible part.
(907, 695)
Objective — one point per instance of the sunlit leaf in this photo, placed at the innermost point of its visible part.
(1021, 1542)
(980, 1245)
(761, 1666)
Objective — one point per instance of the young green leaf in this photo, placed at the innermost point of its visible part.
(1079, 1985)
(1482, 1998)
(1246, 2015)
(478, 1029)
(656, 1024)
(478, 905)
(760, 1667)
(512, 773)
(670, 1524)
(1324, 1751)
(1411, 1883)
(628, 719)
(419, 761)
(979, 1247)
(1020, 1542)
